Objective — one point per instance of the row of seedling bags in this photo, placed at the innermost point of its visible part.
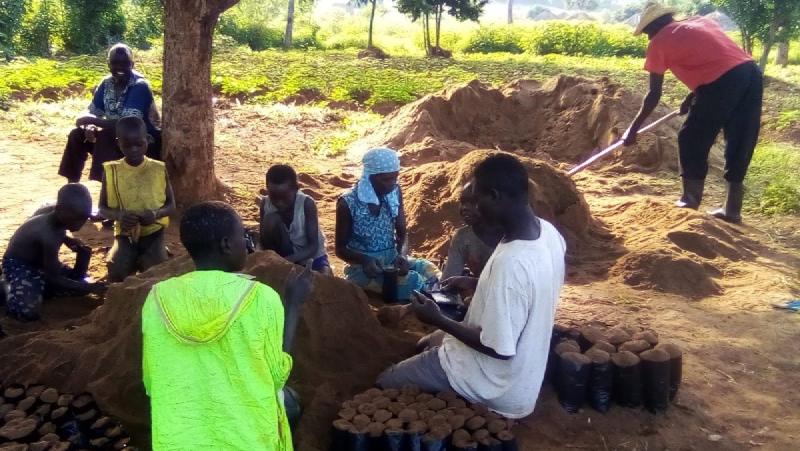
(39, 418)
(623, 365)
(409, 420)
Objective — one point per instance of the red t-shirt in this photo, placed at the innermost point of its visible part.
(696, 50)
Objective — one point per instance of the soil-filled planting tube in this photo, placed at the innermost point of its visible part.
(375, 435)
(393, 439)
(14, 393)
(339, 435)
(635, 346)
(434, 441)
(357, 440)
(465, 446)
(573, 380)
(675, 367)
(655, 374)
(589, 336)
(617, 336)
(490, 444)
(649, 336)
(627, 379)
(413, 440)
(555, 356)
(508, 440)
(601, 381)
(604, 346)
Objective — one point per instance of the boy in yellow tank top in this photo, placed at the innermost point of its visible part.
(137, 196)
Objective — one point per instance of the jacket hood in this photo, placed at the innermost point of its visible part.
(200, 307)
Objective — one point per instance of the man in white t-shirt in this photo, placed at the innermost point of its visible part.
(497, 355)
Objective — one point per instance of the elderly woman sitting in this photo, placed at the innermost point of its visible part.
(371, 231)
(123, 93)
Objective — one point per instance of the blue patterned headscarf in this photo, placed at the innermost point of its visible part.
(379, 160)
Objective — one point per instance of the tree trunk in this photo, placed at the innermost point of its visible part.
(510, 11)
(782, 59)
(426, 34)
(188, 133)
(773, 30)
(371, 20)
(287, 36)
(439, 25)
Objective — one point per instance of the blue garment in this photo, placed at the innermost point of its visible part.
(381, 160)
(375, 236)
(27, 287)
(135, 100)
(372, 234)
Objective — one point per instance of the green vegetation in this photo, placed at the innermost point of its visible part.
(773, 181)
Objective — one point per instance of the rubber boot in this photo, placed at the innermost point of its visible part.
(692, 193)
(732, 210)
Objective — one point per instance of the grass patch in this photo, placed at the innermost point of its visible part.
(773, 180)
(353, 127)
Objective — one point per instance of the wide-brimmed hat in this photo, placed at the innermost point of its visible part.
(651, 12)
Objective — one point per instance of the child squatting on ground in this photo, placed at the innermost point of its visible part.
(289, 221)
(137, 196)
(216, 343)
(31, 267)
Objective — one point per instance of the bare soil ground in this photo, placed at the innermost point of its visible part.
(741, 367)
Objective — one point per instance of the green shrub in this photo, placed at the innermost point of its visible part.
(144, 19)
(494, 39)
(11, 14)
(773, 183)
(584, 38)
(40, 28)
(255, 35)
(92, 25)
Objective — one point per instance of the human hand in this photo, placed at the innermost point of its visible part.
(629, 138)
(459, 283)
(372, 268)
(401, 262)
(128, 220)
(686, 105)
(425, 308)
(90, 133)
(299, 285)
(147, 217)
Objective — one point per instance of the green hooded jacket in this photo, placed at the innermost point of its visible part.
(213, 363)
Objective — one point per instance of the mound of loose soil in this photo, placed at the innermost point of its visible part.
(567, 118)
(373, 52)
(677, 250)
(431, 192)
(341, 348)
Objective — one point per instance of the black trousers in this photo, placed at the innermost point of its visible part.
(103, 149)
(732, 104)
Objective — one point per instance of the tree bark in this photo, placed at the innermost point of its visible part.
(371, 20)
(287, 36)
(439, 25)
(188, 133)
(782, 59)
(426, 34)
(510, 11)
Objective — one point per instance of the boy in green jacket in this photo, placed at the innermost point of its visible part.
(215, 357)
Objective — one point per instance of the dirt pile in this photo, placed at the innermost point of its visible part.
(676, 250)
(565, 118)
(431, 195)
(340, 349)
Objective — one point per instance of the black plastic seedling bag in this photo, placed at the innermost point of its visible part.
(432, 443)
(627, 379)
(413, 441)
(394, 440)
(508, 440)
(655, 374)
(573, 380)
(469, 446)
(339, 436)
(601, 380)
(490, 444)
(675, 367)
(357, 441)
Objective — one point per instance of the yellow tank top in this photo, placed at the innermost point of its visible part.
(137, 188)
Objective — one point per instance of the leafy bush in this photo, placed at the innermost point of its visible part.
(145, 21)
(585, 38)
(773, 183)
(495, 39)
(92, 25)
(11, 13)
(40, 28)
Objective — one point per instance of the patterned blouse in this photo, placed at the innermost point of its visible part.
(136, 99)
(371, 234)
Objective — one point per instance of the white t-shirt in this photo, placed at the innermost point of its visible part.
(514, 305)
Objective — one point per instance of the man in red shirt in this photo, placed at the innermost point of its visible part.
(726, 87)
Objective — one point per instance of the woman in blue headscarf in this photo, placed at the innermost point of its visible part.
(371, 229)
